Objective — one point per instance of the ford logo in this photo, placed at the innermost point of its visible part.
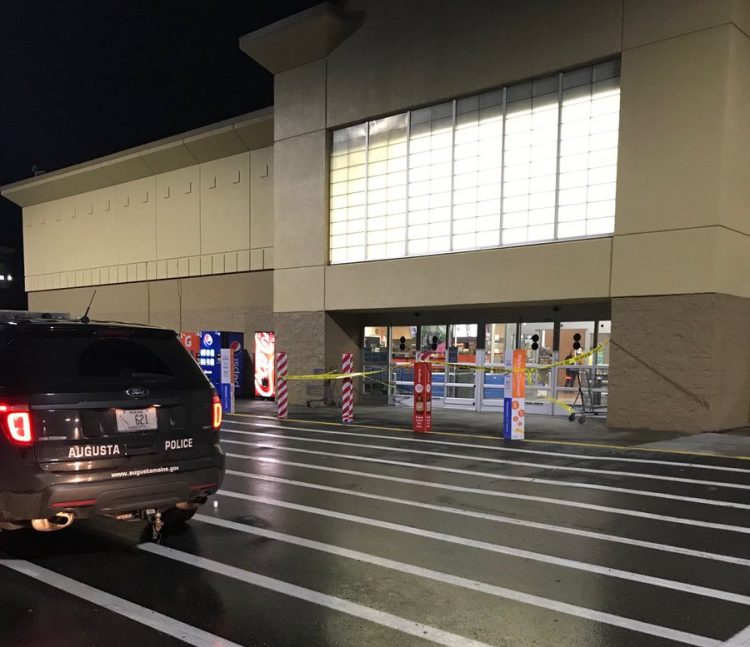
(137, 391)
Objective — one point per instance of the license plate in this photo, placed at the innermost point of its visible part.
(136, 419)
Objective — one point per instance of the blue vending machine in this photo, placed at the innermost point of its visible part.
(235, 341)
(209, 356)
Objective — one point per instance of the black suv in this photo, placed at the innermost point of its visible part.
(103, 419)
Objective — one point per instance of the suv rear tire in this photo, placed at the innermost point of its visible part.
(174, 517)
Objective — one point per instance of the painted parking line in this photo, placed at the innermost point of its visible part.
(567, 443)
(741, 639)
(497, 448)
(498, 548)
(404, 625)
(166, 625)
(500, 461)
(739, 561)
(639, 514)
(504, 477)
(482, 587)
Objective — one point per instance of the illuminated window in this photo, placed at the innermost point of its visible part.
(527, 163)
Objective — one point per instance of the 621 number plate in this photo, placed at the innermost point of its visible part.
(136, 419)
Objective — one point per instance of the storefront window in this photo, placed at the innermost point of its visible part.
(530, 162)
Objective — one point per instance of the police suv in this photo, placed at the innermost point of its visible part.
(102, 419)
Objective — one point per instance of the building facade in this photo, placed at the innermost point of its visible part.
(452, 179)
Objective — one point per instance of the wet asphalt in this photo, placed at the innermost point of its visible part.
(329, 535)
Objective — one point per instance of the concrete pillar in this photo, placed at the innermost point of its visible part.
(315, 342)
(680, 363)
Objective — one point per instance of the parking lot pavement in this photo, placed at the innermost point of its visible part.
(333, 535)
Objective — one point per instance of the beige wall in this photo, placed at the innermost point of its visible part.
(683, 170)
(513, 275)
(210, 218)
(241, 302)
(421, 51)
(680, 363)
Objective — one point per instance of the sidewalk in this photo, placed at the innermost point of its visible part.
(538, 428)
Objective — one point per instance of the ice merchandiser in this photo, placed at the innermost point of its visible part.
(265, 374)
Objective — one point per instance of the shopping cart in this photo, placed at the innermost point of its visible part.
(584, 402)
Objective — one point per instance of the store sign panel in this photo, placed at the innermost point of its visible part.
(514, 403)
(209, 356)
(265, 348)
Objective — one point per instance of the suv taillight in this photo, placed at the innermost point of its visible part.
(216, 423)
(16, 420)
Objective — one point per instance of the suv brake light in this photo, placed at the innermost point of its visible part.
(17, 423)
(216, 422)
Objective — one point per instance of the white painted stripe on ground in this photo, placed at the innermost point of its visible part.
(504, 477)
(500, 461)
(482, 587)
(404, 625)
(499, 448)
(499, 548)
(738, 561)
(742, 639)
(527, 497)
(164, 624)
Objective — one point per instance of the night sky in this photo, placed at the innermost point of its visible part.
(79, 80)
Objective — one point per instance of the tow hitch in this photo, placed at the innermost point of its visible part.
(154, 518)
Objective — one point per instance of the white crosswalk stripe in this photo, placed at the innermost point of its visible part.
(505, 519)
(641, 514)
(328, 536)
(521, 479)
(482, 545)
(390, 620)
(617, 621)
(148, 617)
(496, 448)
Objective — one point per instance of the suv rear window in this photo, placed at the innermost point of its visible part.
(78, 359)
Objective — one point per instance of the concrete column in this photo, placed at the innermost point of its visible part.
(680, 363)
(315, 342)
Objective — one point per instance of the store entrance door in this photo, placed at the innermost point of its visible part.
(375, 364)
(498, 338)
(537, 339)
(461, 358)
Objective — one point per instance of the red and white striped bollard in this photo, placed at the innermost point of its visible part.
(282, 394)
(347, 390)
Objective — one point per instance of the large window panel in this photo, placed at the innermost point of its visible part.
(386, 187)
(477, 171)
(348, 194)
(528, 163)
(430, 172)
(588, 151)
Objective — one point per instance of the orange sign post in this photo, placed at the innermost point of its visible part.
(514, 409)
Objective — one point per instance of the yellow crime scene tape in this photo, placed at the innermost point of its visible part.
(332, 375)
(573, 361)
(496, 369)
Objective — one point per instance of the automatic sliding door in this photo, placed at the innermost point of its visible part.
(593, 370)
(537, 340)
(498, 338)
(375, 359)
(461, 374)
(403, 352)
(432, 349)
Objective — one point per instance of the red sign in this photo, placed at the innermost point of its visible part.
(422, 419)
(192, 342)
(265, 344)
